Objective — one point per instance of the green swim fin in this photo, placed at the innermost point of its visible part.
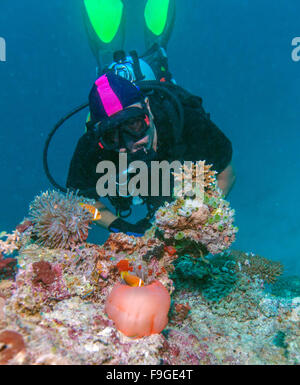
(105, 25)
(159, 21)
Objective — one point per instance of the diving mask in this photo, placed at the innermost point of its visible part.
(124, 129)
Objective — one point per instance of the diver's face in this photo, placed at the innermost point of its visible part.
(135, 126)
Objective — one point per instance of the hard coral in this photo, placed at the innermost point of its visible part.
(197, 172)
(255, 265)
(205, 218)
(139, 311)
(212, 278)
(59, 220)
(10, 244)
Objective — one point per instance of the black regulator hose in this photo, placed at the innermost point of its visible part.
(47, 143)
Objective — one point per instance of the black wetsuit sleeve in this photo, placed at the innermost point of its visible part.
(205, 141)
(82, 171)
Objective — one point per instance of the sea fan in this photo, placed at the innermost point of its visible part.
(59, 220)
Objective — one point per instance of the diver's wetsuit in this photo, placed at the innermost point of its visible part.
(201, 140)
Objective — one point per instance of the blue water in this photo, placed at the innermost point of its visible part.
(235, 54)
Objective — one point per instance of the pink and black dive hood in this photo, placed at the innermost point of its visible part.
(116, 125)
(111, 94)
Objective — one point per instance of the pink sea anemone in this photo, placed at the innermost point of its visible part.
(59, 220)
(139, 311)
(11, 343)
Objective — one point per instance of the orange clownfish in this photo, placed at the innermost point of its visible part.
(131, 280)
(95, 212)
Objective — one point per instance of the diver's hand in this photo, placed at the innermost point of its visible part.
(137, 230)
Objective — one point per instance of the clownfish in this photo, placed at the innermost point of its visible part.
(132, 280)
(95, 212)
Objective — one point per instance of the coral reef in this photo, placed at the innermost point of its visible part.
(179, 312)
(227, 307)
(8, 267)
(44, 273)
(58, 307)
(196, 178)
(205, 218)
(213, 279)
(183, 347)
(255, 265)
(59, 220)
(11, 242)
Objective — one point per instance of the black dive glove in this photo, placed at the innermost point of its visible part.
(137, 230)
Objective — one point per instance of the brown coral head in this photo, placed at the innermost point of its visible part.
(11, 343)
(43, 273)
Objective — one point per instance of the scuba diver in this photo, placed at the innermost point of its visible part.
(136, 107)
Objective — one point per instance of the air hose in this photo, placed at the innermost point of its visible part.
(47, 143)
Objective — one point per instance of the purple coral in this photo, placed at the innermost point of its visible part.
(59, 220)
(44, 273)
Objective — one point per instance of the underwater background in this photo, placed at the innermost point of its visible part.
(236, 55)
